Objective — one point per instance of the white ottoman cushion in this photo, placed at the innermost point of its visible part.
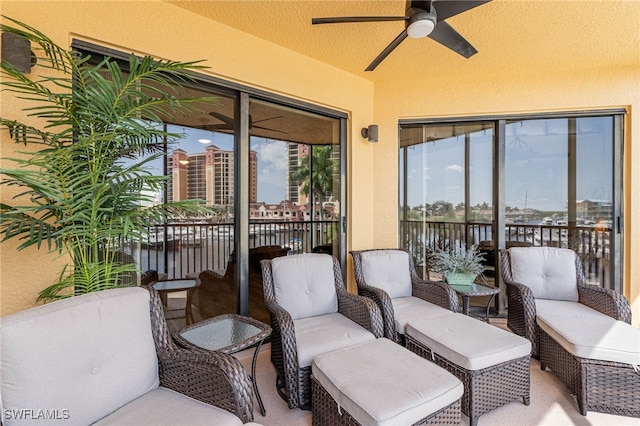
(467, 342)
(382, 383)
(587, 333)
(318, 335)
(407, 309)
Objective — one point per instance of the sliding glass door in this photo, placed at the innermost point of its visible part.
(540, 181)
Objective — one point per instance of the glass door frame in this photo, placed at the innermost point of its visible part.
(243, 94)
(499, 184)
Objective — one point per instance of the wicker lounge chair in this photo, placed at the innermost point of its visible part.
(148, 277)
(389, 278)
(311, 313)
(113, 352)
(494, 370)
(582, 332)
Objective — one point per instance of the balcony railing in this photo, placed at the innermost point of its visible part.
(592, 243)
(186, 248)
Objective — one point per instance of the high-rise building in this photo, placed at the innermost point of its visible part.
(297, 152)
(207, 176)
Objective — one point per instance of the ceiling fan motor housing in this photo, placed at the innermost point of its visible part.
(421, 23)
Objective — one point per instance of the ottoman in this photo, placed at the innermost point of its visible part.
(381, 383)
(493, 364)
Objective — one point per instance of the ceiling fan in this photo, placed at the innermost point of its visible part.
(422, 19)
(228, 123)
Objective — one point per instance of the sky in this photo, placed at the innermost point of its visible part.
(536, 174)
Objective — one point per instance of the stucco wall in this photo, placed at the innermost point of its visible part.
(165, 31)
(162, 30)
(507, 94)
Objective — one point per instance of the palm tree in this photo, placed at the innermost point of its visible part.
(323, 171)
(85, 185)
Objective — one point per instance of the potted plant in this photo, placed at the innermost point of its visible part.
(83, 182)
(459, 265)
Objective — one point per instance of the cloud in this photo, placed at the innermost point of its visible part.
(273, 156)
(455, 168)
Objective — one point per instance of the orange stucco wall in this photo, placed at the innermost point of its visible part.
(165, 31)
(505, 93)
(176, 34)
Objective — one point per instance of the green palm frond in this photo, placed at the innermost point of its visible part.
(98, 128)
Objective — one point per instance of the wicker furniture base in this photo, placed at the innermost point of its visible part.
(486, 389)
(304, 388)
(326, 412)
(603, 386)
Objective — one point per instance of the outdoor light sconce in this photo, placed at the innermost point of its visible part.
(370, 133)
(16, 50)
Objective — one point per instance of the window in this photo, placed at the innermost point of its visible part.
(540, 180)
(260, 162)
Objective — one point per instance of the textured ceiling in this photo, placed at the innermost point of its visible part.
(511, 36)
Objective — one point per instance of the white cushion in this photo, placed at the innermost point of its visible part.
(587, 333)
(549, 272)
(304, 284)
(387, 270)
(467, 342)
(408, 309)
(382, 383)
(164, 406)
(318, 335)
(88, 354)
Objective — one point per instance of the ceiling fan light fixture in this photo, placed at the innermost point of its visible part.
(421, 24)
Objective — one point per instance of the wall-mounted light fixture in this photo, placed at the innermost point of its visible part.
(371, 133)
(16, 50)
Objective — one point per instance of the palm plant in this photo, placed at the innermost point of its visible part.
(85, 184)
(321, 180)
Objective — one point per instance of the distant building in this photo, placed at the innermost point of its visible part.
(594, 209)
(297, 152)
(207, 176)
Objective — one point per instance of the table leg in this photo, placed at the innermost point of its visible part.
(253, 379)
(486, 315)
(465, 304)
(188, 315)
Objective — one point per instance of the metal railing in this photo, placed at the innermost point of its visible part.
(187, 248)
(592, 243)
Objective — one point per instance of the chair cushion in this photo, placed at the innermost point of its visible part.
(382, 383)
(549, 272)
(88, 354)
(468, 342)
(325, 333)
(304, 284)
(164, 406)
(407, 309)
(603, 339)
(387, 270)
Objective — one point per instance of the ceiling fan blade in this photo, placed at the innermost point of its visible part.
(213, 127)
(444, 34)
(270, 129)
(343, 19)
(424, 5)
(266, 119)
(227, 120)
(387, 50)
(446, 9)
